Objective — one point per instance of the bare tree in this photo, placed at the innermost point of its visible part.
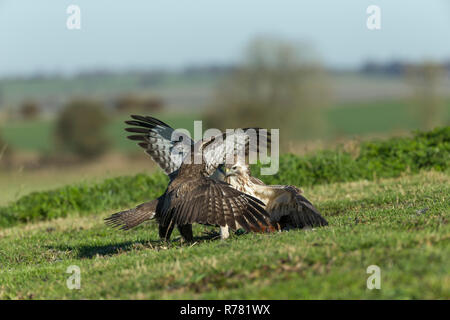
(30, 110)
(134, 103)
(278, 85)
(80, 128)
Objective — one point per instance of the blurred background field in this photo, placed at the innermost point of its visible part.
(35, 163)
(62, 106)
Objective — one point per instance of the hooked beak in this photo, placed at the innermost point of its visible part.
(228, 172)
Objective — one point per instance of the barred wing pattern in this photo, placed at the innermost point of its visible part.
(229, 146)
(125, 220)
(289, 206)
(213, 203)
(157, 139)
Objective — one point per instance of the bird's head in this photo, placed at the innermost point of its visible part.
(237, 169)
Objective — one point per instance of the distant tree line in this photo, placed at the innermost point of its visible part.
(129, 102)
(395, 68)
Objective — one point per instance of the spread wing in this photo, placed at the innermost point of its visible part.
(287, 206)
(240, 142)
(211, 202)
(166, 147)
(131, 218)
(169, 150)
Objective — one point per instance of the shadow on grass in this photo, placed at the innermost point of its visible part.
(90, 251)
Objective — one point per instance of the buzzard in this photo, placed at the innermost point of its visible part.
(286, 205)
(192, 196)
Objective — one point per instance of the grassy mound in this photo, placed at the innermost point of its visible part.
(83, 198)
(399, 224)
(390, 158)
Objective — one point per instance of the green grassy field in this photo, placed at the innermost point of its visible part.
(381, 223)
(38, 135)
(375, 117)
(344, 120)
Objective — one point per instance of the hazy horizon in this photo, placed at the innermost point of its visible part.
(170, 35)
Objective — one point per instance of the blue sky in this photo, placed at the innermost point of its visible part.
(175, 33)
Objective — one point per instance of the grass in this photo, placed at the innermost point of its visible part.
(369, 159)
(390, 158)
(16, 183)
(399, 224)
(346, 120)
(83, 198)
(374, 117)
(29, 135)
(396, 219)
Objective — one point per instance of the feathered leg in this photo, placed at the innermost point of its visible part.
(165, 231)
(186, 232)
(224, 232)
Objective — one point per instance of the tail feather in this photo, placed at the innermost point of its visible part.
(131, 218)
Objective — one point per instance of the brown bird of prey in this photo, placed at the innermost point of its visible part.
(285, 204)
(192, 196)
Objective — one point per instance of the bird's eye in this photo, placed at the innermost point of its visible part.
(234, 167)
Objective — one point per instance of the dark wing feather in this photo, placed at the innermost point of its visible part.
(211, 202)
(131, 218)
(292, 209)
(159, 141)
(308, 215)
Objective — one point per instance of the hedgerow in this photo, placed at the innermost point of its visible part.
(83, 198)
(390, 158)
